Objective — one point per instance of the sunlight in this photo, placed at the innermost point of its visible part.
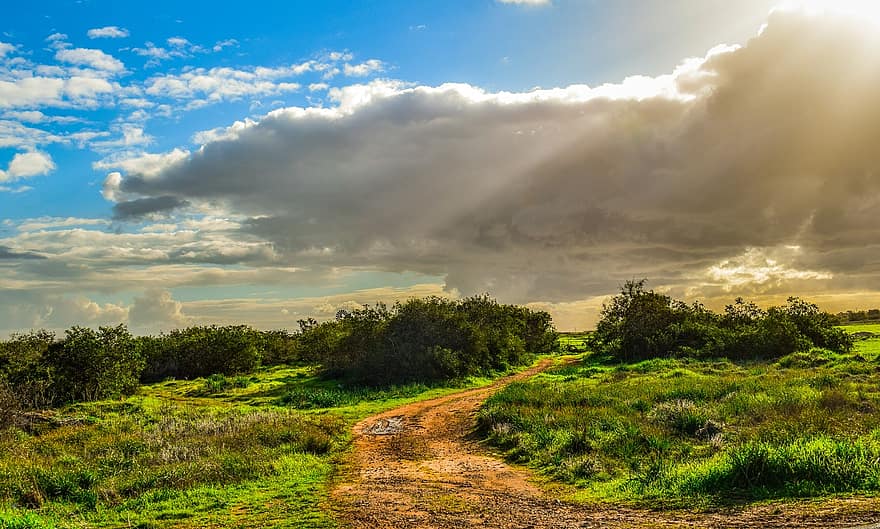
(864, 9)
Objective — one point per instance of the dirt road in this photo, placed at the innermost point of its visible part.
(418, 466)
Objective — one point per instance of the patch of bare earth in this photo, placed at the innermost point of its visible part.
(418, 466)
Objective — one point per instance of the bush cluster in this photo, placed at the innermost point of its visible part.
(639, 324)
(40, 370)
(429, 339)
(37, 370)
(420, 340)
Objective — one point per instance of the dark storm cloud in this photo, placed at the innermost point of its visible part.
(559, 194)
(141, 207)
(8, 253)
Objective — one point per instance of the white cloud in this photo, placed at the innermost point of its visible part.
(157, 309)
(90, 57)
(58, 41)
(35, 116)
(178, 42)
(761, 268)
(15, 190)
(557, 194)
(154, 52)
(28, 164)
(225, 44)
(6, 49)
(31, 91)
(108, 32)
(219, 84)
(363, 69)
(143, 164)
(110, 187)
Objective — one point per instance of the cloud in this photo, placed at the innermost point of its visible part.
(90, 57)
(155, 53)
(557, 194)
(108, 32)
(145, 206)
(157, 309)
(28, 164)
(143, 164)
(363, 69)
(35, 310)
(227, 43)
(8, 253)
(35, 116)
(178, 42)
(203, 86)
(6, 49)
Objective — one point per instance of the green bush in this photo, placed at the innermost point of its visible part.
(638, 324)
(91, 365)
(202, 351)
(431, 339)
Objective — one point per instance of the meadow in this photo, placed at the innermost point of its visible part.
(684, 432)
(253, 450)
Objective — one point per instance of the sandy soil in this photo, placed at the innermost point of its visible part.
(418, 466)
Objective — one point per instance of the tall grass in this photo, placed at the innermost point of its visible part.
(172, 448)
(666, 429)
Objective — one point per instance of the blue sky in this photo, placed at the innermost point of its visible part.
(127, 192)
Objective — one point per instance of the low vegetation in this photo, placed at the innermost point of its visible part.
(234, 426)
(659, 421)
(639, 324)
(229, 426)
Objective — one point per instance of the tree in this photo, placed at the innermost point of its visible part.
(91, 365)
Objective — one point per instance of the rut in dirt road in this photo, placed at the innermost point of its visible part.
(417, 466)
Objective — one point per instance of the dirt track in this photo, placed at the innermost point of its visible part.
(418, 467)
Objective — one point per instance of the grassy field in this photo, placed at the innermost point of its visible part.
(679, 432)
(254, 451)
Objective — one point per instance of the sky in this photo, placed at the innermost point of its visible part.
(166, 164)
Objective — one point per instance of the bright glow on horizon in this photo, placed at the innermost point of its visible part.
(863, 9)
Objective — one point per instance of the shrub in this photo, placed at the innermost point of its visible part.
(202, 351)
(432, 339)
(638, 324)
(91, 365)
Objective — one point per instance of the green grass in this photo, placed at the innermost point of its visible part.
(872, 327)
(687, 432)
(254, 451)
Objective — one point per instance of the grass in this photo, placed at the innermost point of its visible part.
(679, 432)
(255, 451)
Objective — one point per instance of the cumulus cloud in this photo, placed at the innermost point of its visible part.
(157, 309)
(363, 69)
(557, 194)
(92, 58)
(203, 86)
(27, 164)
(35, 310)
(108, 32)
(5, 49)
(227, 43)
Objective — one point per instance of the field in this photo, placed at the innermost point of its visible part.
(250, 451)
(683, 432)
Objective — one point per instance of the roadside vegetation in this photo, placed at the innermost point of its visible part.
(670, 407)
(226, 426)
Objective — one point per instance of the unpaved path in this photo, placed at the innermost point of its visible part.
(417, 466)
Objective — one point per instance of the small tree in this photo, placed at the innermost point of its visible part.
(91, 365)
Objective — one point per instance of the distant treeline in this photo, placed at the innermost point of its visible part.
(639, 324)
(420, 340)
(852, 316)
